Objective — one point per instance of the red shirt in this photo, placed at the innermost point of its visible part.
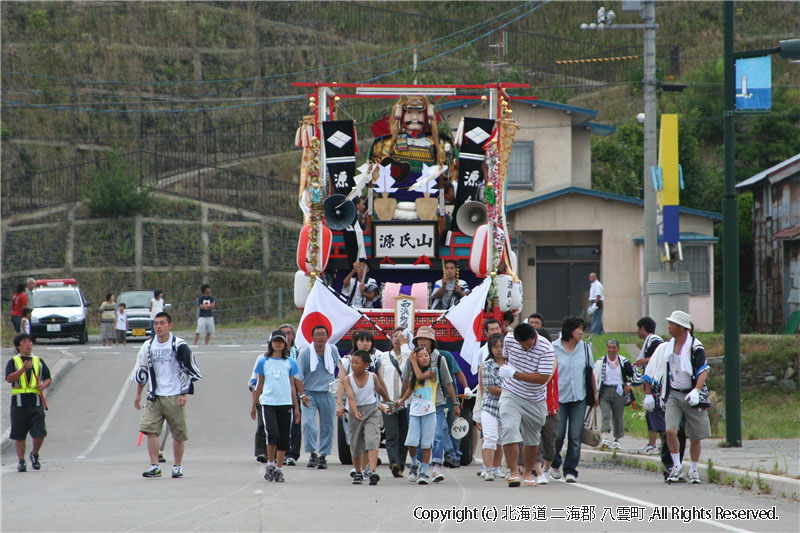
(552, 395)
(18, 303)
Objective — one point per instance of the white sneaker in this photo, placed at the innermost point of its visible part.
(694, 477)
(570, 478)
(489, 476)
(541, 480)
(481, 472)
(498, 473)
(616, 445)
(546, 473)
(555, 472)
(675, 474)
(651, 449)
(605, 443)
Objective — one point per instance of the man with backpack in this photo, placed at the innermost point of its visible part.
(167, 363)
(680, 366)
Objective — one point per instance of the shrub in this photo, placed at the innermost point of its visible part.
(113, 191)
(746, 482)
(713, 474)
(763, 485)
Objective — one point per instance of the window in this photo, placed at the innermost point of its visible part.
(767, 199)
(695, 262)
(520, 166)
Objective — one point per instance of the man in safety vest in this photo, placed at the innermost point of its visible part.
(29, 377)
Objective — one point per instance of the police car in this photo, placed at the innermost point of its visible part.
(59, 310)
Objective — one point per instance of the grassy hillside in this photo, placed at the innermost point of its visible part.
(134, 70)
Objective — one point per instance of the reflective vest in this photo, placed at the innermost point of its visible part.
(24, 386)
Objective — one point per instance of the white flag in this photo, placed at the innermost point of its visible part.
(325, 309)
(467, 318)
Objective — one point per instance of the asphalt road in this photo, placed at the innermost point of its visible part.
(91, 475)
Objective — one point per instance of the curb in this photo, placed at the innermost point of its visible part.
(784, 487)
(59, 370)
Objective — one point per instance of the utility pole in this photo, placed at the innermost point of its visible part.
(647, 10)
(651, 259)
(789, 49)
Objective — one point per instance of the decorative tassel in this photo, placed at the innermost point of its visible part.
(490, 198)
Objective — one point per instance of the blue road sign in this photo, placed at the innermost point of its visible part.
(754, 84)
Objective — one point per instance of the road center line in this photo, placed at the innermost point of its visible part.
(109, 418)
(651, 505)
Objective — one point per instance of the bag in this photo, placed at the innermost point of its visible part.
(588, 375)
(591, 432)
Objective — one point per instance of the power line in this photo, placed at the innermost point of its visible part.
(461, 45)
(273, 76)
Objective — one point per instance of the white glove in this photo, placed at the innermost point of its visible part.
(693, 397)
(507, 371)
(649, 402)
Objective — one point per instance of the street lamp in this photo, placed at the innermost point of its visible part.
(730, 226)
(648, 15)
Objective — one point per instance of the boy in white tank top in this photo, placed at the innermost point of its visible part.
(365, 424)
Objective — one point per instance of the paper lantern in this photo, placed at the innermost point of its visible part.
(303, 248)
(302, 286)
(479, 257)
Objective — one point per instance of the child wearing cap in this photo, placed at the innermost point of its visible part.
(275, 395)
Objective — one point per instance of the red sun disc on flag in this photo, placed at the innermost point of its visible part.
(477, 327)
(313, 320)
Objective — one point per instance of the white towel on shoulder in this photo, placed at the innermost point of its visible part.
(686, 354)
(327, 357)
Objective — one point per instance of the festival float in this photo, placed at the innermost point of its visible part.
(420, 199)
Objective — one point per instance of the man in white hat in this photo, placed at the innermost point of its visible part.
(680, 367)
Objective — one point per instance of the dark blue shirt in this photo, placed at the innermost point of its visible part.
(202, 301)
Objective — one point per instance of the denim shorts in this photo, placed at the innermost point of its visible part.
(421, 430)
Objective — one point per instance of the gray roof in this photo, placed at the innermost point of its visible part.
(580, 116)
(782, 170)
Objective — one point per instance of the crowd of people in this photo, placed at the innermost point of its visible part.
(533, 392)
(532, 395)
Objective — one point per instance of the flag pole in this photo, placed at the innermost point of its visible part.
(380, 329)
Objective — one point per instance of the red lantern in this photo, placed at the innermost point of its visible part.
(303, 251)
(479, 257)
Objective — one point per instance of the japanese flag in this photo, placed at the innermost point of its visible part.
(324, 308)
(467, 318)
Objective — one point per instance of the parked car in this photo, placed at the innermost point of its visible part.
(137, 305)
(59, 310)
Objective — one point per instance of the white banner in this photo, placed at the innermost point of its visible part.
(404, 240)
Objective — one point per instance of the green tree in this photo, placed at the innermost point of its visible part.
(113, 190)
(617, 161)
(763, 141)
